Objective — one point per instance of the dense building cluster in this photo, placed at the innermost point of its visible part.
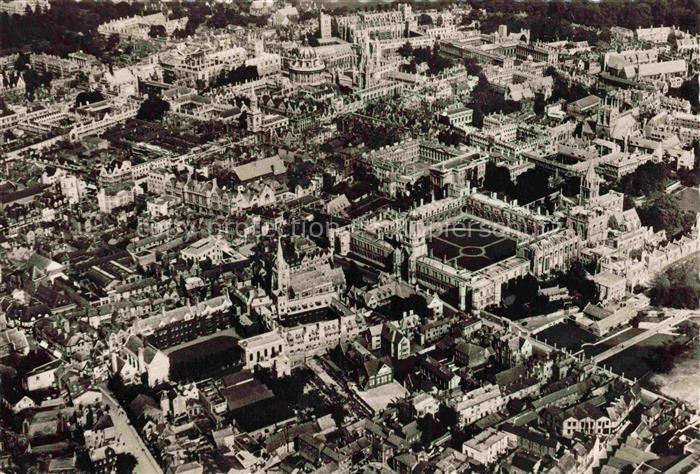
(284, 238)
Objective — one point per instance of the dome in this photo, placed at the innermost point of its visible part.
(306, 52)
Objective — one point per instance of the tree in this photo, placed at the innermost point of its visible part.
(582, 289)
(157, 31)
(487, 100)
(473, 68)
(428, 429)
(662, 359)
(126, 463)
(153, 109)
(447, 416)
(532, 185)
(353, 276)
(338, 412)
(664, 213)
(240, 74)
(449, 137)
(436, 63)
(647, 179)
(406, 50)
(689, 178)
(300, 175)
(539, 104)
(563, 88)
(678, 287)
(689, 91)
(22, 62)
(497, 179)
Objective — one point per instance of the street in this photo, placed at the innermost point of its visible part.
(146, 464)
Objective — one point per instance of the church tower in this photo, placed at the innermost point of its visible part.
(608, 115)
(414, 242)
(254, 116)
(590, 186)
(281, 272)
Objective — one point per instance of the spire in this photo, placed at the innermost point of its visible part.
(280, 252)
(253, 99)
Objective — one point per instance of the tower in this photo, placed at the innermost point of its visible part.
(254, 117)
(590, 186)
(608, 115)
(414, 242)
(324, 24)
(280, 274)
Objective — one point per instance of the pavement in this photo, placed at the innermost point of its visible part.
(145, 462)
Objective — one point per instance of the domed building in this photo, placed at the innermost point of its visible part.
(305, 67)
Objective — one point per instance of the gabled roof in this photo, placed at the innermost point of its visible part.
(257, 169)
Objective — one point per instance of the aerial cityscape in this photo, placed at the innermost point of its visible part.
(350, 236)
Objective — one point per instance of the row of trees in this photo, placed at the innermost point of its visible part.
(570, 20)
(65, 28)
(234, 14)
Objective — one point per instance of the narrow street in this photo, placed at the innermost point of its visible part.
(146, 464)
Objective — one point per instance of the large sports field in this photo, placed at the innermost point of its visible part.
(470, 245)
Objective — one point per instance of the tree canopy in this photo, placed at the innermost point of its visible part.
(66, 27)
(487, 100)
(664, 213)
(649, 178)
(561, 19)
(152, 109)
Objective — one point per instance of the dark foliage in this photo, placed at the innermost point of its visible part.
(563, 89)
(300, 174)
(646, 180)
(582, 289)
(126, 463)
(497, 179)
(242, 73)
(88, 97)
(664, 213)
(430, 56)
(663, 359)
(487, 100)
(473, 68)
(689, 90)
(65, 28)
(568, 20)
(152, 109)
(225, 15)
(678, 287)
(157, 31)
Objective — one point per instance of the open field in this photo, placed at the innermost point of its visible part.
(567, 335)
